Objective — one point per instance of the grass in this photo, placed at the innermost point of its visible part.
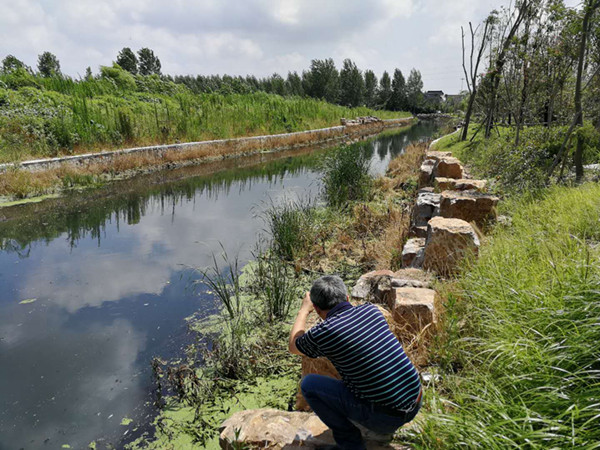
(48, 117)
(520, 358)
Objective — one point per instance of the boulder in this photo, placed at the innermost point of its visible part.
(413, 253)
(426, 172)
(412, 275)
(415, 309)
(448, 167)
(374, 287)
(273, 429)
(426, 207)
(417, 231)
(436, 156)
(449, 242)
(462, 184)
(471, 206)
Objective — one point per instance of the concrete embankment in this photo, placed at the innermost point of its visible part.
(196, 152)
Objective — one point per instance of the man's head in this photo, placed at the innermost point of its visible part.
(328, 291)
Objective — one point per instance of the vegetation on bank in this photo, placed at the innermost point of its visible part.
(245, 362)
(516, 361)
(50, 116)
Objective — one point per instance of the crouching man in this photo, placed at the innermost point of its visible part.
(380, 388)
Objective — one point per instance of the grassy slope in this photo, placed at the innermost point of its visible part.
(44, 117)
(521, 343)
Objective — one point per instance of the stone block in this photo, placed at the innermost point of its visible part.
(415, 309)
(412, 275)
(462, 184)
(272, 429)
(436, 156)
(426, 207)
(419, 232)
(471, 206)
(426, 172)
(449, 242)
(413, 252)
(374, 287)
(448, 167)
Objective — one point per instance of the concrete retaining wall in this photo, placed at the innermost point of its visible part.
(222, 147)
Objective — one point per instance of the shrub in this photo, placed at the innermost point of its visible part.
(346, 176)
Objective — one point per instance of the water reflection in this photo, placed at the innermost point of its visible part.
(104, 279)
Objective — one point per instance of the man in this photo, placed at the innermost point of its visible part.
(380, 388)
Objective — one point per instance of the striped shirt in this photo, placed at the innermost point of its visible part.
(370, 359)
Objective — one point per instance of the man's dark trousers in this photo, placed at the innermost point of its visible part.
(337, 406)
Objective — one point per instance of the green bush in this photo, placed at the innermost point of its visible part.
(346, 176)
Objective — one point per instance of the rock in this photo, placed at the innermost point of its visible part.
(426, 172)
(413, 253)
(420, 232)
(471, 206)
(448, 167)
(436, 156)
(374, 287)
(400, 282)
(415, 275)
(449, 242)
(272, 429)
(462, 184)
(415, 309)
(426, 207)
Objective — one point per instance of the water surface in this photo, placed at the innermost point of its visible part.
(94, 284)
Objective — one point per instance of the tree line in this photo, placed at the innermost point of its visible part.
(348, 86)
(536, 63)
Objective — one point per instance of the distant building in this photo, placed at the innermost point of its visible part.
(435, 96)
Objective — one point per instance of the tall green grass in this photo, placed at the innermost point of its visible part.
(346, 176)
(47, 117)
(521, 362)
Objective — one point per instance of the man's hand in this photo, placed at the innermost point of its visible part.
(299, 327)
(307, 304)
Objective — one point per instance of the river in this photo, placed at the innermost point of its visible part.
(96, 283)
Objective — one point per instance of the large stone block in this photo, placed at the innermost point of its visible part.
(436, 156)
(413, 252)
(426, 207)
(412, 277)
(374, 287)
(471, 206)
(449, 242)
(463, 184)
(448, 167)
(415, 309)
(276, 430)
(426, 172)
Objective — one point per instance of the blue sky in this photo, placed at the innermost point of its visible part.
(247, 36)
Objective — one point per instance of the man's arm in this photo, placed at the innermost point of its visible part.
(299, 327)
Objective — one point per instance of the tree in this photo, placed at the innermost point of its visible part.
(414, 90)
(322, 80)
(398, 99)
(589, 8)
(149, 64)
(88, 74)
(48, 65)
(352, 85)
(128, 61)
(370, 88)
(385, 90)
(12, 63)
(472, 74)
(294, 84)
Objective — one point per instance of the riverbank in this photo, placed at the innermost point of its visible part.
(52, 176)
(366, 234)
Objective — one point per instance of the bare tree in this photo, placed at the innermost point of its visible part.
(471, 75)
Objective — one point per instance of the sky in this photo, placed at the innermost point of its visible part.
(240, 37)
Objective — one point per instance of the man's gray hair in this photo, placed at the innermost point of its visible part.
(328, 291)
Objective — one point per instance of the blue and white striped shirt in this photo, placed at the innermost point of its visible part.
(370, 359)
